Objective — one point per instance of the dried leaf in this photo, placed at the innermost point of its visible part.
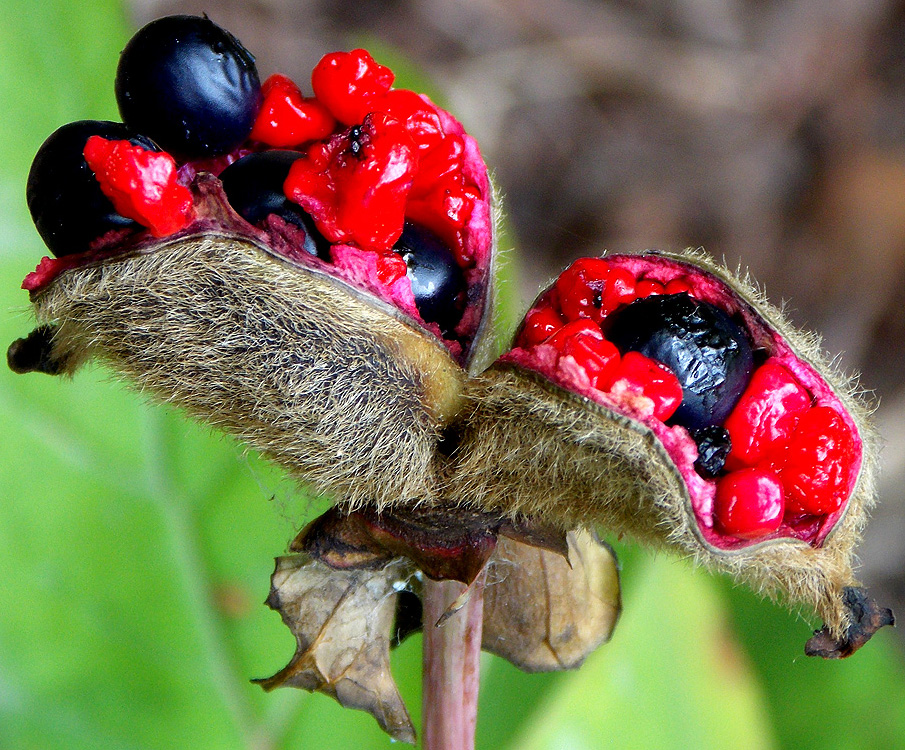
(342, 621)
(545, 613)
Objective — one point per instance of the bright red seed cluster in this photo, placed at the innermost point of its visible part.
(806, 449)
(141, 184)
(569, 320)
(373, 157)
(396, 161)
(351, 185)
(791, 458)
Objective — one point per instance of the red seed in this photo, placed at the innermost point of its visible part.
(766, 414)
(287, 118)
(438, 164)
(418, 116)
(540, 324)
(581, 288)
(619, 290)
(818, 463)
(347, 82)
(648, 288)
(677, 286)
(445, 210)
(749, 503)
(390, 267)
(638, 375)
(355, 185)
(583, 341)
(583, 327)
(142, 185)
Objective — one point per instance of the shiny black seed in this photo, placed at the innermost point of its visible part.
(190, 85)
(64, 198)
(437, 280)
(713, 447)
(707, 350)
(254, 188)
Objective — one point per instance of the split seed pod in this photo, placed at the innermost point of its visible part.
(287, 315)
(567, 428)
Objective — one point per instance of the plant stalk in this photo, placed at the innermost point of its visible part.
(452, 652)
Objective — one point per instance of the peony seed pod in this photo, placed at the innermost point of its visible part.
(663, 397)
(323, 304)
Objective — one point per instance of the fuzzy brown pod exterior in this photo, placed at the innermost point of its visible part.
(281, 355)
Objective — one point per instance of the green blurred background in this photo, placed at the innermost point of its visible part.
(136, 548)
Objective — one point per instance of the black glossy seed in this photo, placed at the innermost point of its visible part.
(64, 198)
(437, 280)
(713, 447)
(254, 188)
(190, 85)
(708, 351)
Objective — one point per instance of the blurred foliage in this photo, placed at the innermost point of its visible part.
(135, 551)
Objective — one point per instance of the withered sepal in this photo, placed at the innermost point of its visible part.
(544, 612)
(445, 544)
(342, 621)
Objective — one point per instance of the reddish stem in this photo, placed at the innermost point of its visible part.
(452, 654)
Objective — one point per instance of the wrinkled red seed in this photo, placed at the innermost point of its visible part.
(355, 188)
(347, 82)
(390, 267)
(581, 287)
(766, 415)
(595, 355)
(619, 290)
(418, 117)
(540, 324)
(749, 503)
(286, 118)
(438, 162)
(583, 327)
(818, 463)
(142, 185)
(640, 375)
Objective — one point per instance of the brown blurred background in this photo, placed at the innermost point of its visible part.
(771, 133)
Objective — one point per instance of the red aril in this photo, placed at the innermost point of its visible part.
(347, 82)
(287, 118)
(540, 324)
(817, 469)
(766, 414)
(638, 375)
(141, 184)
